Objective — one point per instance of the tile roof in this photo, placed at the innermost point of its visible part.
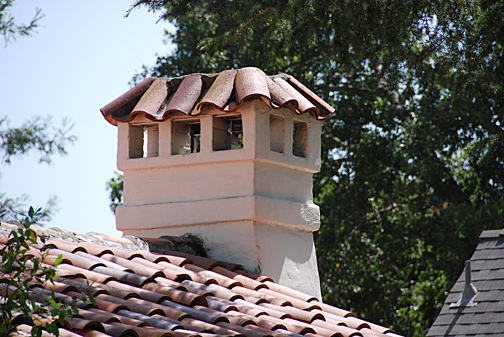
(486, 317)
(158, 98)
(142, 293)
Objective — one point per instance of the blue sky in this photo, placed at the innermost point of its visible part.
(82, 57)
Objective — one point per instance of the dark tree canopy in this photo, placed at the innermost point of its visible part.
(412, 162)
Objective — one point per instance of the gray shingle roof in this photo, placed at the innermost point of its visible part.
(486, 318)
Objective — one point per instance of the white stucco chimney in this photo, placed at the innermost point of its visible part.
(229, 158)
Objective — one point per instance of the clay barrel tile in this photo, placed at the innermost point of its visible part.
(220, 304)
(244, 331)
(197, 288)
(207, 327)
(119, 316)
(176, 295)
(270, 310)
(83, 285)
(273, 323)
(118, 292)
(97, 316)
(356, 323)
(65, 333)
(268, 332)
(141, 269)
(76, 260)
(222, 292)
(187, 94)
(182, 272)
(94, 333)
(220, 279)
(185, 311)
(146, 331)
(333, 331)
(104, 262)
(123, 100)
(281, 96)
(326, 325)
(153, 257)
(169, 283)
(215, 315)
(304, 104)
(312, 97)
(172, 272)
(151, 101)
(132, 304)
(255, 310)
(139, 292)
(200, 261)
(251, 83)
(253, 276)
(290, 292)
(256, 297)
(65, 245)
(85, 324)
(119, 331)
(94, 249)
(124, 276)
(302, 315)
(220, 92)
(294, 301)
(245, 281)
(154, 320)
(66, 270)
(125, 253)
(294, 325)
(336, 311)
(241, 319)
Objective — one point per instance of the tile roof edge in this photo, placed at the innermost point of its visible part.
(492, 234)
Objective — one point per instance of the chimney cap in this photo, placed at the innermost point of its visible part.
(158, 98)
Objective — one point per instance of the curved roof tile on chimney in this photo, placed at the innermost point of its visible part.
(157, 98)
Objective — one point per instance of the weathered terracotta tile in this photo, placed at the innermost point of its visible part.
(94, 249)
(203, 262)
(244, 331)
(304, 105)
(243, 280)
(186, 95)
(113, 304)
(251, 82)
(151, 101)
(219, 279)
(119, 331)
(81, 324)
(302, 315)
(207, 327)
(176, 295)
(220, 91)
(140, 269)
(124, 276)
(294, 301)
(146, 331)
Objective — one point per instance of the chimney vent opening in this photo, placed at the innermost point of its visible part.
(300, 139)
(143, 141)
(277, 133)
(227, 133)
(186, 137)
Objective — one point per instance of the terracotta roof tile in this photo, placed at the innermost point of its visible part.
(226, 91)
(139, 293)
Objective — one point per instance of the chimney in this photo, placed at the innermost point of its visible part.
(230, 158)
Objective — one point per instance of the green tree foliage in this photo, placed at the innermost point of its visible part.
(37, 135)
(19, 269)
(9, 28)
(412, 161)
